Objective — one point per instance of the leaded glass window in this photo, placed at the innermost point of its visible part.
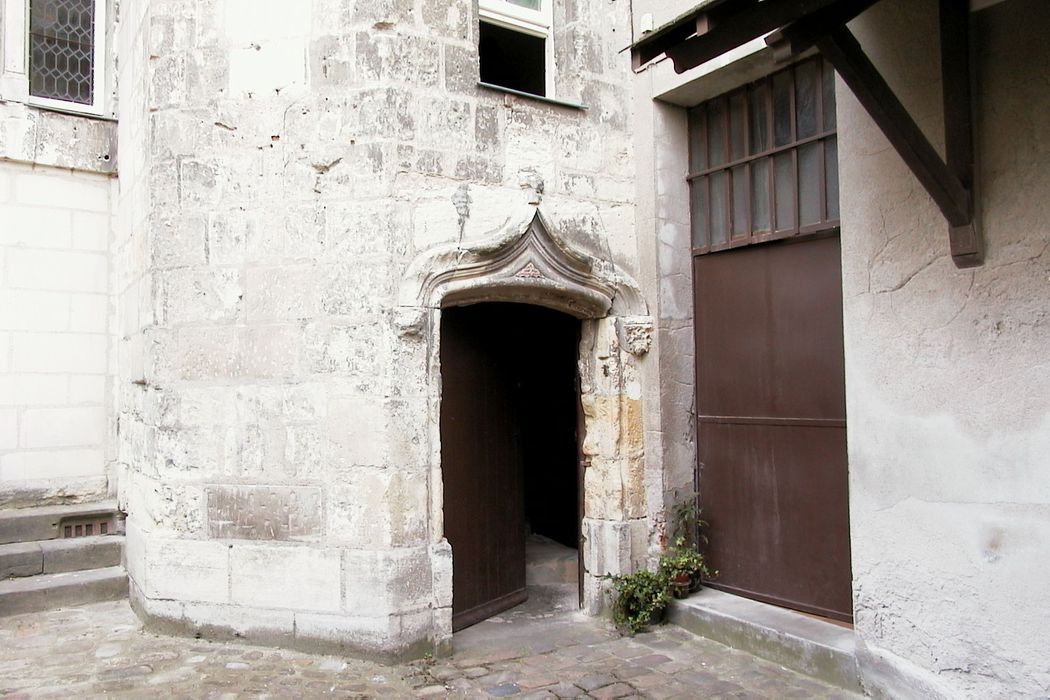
(62, 50)
(763, 160)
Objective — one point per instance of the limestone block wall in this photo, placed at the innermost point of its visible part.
(948, 396)
(56, 422)
(283, 164)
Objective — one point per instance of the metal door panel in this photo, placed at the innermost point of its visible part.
(771, 423)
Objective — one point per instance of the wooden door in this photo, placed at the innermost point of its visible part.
(481, 465)
(771, 433)
(508, 446)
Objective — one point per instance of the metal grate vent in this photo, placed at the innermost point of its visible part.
(62, 50)
(86, 528)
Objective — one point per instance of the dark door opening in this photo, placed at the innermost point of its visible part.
(509, 450)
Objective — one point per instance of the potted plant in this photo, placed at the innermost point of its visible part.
(640, 599)
(683, 567)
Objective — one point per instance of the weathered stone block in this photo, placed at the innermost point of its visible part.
(372, 508)
(187, 570)
(364, 287)
(254, 21)
(199, 295)
(368, 228)
(354, 351)
(196, 353)
(365, 431)
(604, 489)
(264, 512)
(275, 65)
(225, 621)
(441, 569)
(461, 69)
(387, 581)
(449, 19)
(183, 453)
(392, 58)
(283, 576)
(282, 293)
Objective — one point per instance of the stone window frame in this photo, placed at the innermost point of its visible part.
(15, 68)
(538, 23)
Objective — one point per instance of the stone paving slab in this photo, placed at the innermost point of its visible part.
(101, 650)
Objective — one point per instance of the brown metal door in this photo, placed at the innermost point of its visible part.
(771, 427)
(481, 466)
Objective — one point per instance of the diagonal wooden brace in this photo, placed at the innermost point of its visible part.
(950, 183)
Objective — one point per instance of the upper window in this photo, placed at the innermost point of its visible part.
(65, 53)
(763, 160)
(515, 47)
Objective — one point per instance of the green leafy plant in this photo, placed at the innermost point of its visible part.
(639, 600)
(683, 567)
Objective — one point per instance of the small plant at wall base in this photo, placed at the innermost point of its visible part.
(683, 567)
(639, 600)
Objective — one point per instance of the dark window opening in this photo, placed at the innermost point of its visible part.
(512, 59)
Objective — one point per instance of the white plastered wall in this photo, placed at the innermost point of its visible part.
(56, 311)
(948, 393)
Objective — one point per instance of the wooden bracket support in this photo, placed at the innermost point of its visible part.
(799, 25)
(949, 182)
(721, 30)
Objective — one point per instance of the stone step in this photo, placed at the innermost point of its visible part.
(548, 562)
(805, 644)
(19, 559)
(49, 591)
(46, 523)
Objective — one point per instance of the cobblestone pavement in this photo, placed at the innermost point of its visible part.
(102, 650)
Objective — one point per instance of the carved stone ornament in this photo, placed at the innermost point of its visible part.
(636, 334)
(526, 263)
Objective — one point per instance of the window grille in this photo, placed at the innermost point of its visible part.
(763, 160)
(62, 50)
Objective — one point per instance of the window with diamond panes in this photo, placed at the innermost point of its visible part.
(62, 50)
(763, 160)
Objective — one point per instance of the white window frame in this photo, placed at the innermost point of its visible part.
(14, 71)
(538, 23)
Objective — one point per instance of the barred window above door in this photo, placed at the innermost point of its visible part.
(763, 160)
(63, 37)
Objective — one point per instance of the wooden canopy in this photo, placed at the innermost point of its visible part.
(794, 26)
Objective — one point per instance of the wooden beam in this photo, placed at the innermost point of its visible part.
(730, 30)
(843, 51)
(799, 37)
(966, 242)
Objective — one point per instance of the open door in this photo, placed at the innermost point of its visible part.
(508, 446)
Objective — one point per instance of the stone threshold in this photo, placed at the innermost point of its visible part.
(802, 643)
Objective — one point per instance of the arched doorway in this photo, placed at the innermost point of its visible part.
(525, 263)
(509, 451)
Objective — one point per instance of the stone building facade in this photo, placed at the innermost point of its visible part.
(301, 191)
(235, 326)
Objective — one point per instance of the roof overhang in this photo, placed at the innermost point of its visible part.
(792, 27)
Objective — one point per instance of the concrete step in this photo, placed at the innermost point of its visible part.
(49, 591)
(810, 646)
(46, 523)
(19, 559)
